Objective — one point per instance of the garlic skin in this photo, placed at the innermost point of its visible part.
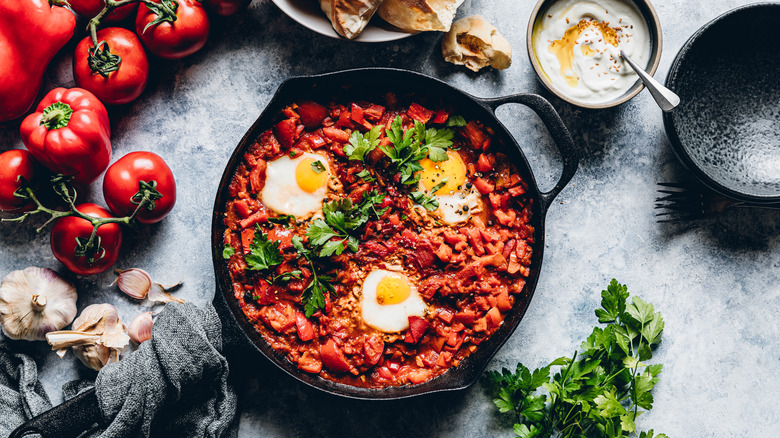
(134, 282)
(98, 336)
(158, 294)
(140, 328)
(34, 302)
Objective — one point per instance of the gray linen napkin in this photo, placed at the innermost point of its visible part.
(21, 394)
(175, 385)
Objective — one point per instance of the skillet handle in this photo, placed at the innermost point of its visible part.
(558, 132)
(68, 420)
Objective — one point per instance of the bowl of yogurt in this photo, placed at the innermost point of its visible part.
(574, 47)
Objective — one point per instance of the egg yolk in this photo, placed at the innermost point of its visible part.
(392, 290)
(435, 171)
(308, 179)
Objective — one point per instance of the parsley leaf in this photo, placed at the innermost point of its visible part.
(365, 175)
(455, 121)
(598, 392)
(361, 144)
(263, 254)
(428, 200)
(313, 297)
(318, 167)
(283, 220)
(228, 252)
(413, 145)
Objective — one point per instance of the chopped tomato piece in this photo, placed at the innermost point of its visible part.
(505, 218)
(444, 359)
(483, 186)
(444, 252)
(283, 236)
(345, 120)
(333, 358)
(280, 316)
(504, 302)
(419, 375)
(247, 236)
(374, 112)
(260, 216)
(494, 317)
(516, 191)
(310, 362)
(242, 208)
(486, 162)
(452, 237)
(466, 317)
(257, 177)
(417, 328)
(373, 347)
(312, 114)
(335, 134)
(304, 327)
(441, 117)
(419, 113)
(445, 315)
(263, 293)
(475, 135)
(286, 132)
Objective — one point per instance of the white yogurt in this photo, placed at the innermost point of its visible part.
(575, 46)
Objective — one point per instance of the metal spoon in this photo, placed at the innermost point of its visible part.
(664, 97)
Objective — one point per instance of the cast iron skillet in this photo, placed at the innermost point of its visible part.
(368, 84)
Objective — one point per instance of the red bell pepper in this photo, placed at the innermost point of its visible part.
(69, 134)
(31, 33)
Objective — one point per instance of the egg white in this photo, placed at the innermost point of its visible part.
(389, 318)
(283, 195)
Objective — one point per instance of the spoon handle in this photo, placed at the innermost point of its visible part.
(664, 97)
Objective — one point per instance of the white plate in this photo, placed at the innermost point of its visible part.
(309, 15)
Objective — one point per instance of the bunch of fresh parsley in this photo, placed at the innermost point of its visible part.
(413, 145)
(599, 392)
(313, 296)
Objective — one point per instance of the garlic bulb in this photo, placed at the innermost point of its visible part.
(35, 301)
(98, 335)
(138, 284)
(140, 328)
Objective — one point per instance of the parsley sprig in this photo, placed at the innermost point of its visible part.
(313, 296)
(598, 394)
(263, 254)
(361, 144)
(428, 200)
(412, 145)
(342, 219)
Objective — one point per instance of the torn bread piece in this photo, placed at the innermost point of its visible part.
(475, 43)
(420, 15)
(349, 17)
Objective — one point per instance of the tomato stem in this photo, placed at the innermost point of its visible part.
(145, 199)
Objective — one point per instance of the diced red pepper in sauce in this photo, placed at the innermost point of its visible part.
(419, 113)
(441, 117)
(373, 347)
(286, 132)
(335, 134)
(304, 327)
(247, 236)
(260, 216)
(333, 358)
(312, 114)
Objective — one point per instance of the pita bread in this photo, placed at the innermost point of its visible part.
(475, 43)
(420, 15)
(349, 17)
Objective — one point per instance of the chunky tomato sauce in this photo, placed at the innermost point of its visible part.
(469, 274)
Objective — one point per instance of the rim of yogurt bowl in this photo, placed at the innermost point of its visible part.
(656, 41)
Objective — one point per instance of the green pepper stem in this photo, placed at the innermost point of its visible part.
(56, 115)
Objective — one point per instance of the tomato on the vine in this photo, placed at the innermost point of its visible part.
(123, 65)
(121, 184)
(90, 8)
(13, 164)
(69, 231)
(169, 36)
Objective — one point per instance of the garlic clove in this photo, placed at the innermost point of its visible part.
(35, 301)
(158, 294)
(98, 336)
(134, 282)
(140, 328)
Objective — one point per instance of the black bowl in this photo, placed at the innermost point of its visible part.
(726, 131)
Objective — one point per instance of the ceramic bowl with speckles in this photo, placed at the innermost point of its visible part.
(726, 130)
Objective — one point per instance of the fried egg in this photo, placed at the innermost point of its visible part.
(389, 299)
(296, 186)
(457, 197)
